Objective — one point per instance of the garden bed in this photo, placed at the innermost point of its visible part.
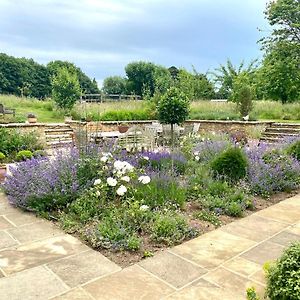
(131, 205)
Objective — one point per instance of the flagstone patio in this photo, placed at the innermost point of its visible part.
(39, 261)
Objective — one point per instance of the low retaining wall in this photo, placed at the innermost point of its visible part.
(251, 128)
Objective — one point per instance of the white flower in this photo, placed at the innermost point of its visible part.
(104, 159)
(97, 181)
(125, 178)
(145, 157)
(98, 193)
(105, 168)
(197, 158)
(144, 207)
(121, 190)
(196, 153)
(111, 181)
(144, 179)
(108, 154)
(118, 165)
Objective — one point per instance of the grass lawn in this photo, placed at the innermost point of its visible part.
(141, 110)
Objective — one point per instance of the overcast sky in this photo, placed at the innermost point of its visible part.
(102, 36)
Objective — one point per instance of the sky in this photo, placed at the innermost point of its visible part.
(102, 36)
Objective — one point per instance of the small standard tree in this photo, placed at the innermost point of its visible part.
(173, 108)
(65, 89)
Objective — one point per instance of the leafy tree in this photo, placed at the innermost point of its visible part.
(224, 76)
(162, 80)
(65, 88)
(279, 77)
(196, 86)
(284, 15)
(87, 85)
(174, 72)
(173, 108)
(114, 85)
(142, 77)
(280, 73)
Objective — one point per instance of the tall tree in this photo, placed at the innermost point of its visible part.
(114, 85)
(65, 88)
(224, 76)
(280, 73)
(87, 85)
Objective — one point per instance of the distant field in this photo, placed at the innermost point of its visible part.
(141, 110)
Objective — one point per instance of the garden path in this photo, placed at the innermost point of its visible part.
(39, 261)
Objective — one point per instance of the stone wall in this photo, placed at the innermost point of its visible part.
(251, 128)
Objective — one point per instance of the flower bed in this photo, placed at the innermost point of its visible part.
(129, 205)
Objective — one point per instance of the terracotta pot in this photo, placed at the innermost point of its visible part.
(2, 172)
(32, 120)
(123, 128)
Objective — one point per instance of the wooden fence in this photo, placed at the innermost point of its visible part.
(106, 98)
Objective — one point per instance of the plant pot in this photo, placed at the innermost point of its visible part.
(32, 120)
(3, 171)
(123, 128)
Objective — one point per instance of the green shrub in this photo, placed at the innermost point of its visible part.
(23, 155)
(2, 156)
(231, 164)
(208, 216)
(294, 150)
(169, 229)
(283, 278)
(12, 141)
(39, 153)
(251, 294)
(161, 192)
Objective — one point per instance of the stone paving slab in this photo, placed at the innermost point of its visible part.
(34, 254)
(83, 267)
(132, 283)
(32, 284)
(38, 261)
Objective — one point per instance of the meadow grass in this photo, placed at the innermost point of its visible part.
(142, 110)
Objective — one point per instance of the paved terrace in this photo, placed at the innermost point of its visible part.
(39, 261)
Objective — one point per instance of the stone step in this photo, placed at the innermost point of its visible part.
(279, 134)
(286, 125)
(270, 139)
(285, 130)
(59, 143)
(58, 136)
(58, 130)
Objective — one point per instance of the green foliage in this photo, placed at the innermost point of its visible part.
(39, 153)
(87, 85)
(251, 294)
(195, 85)
(283, 278)
(24, 77)
(169, 228)
(12, 141)
(284, 15)
(243, 94)
(65, 89)
(208, 216)
(115, 85)
(232, 164)
(226, 74)
(23, 155)
(294, 150)
(161, 193)
(279, 76)
(2, 156)
(173, 107)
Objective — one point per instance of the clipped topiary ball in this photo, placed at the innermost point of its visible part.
(283, 278)
(294, 150)
(23, 155)
(231, 164)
